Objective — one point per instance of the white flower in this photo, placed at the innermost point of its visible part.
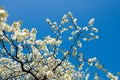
(33, 31)
(79, 44)
(76, 31)
(74, 20)
(92, 34)
(96, 37)
(6, 27)
(55, 23)
(91, 21)
(81, 66)
(85, 39)
(96, 77)
(87, 76)
(30, 41)
(26, 32)
(5, 59)
(20, 47)
(85, 28)
(70, 38)
(38, 42)
(49, 40)
(74, 51)
(58, 42)
(50, 74)
(3, 15)
(67, 77)
(35, 51)
(94, 29)
(16, 26)
(64, 19)
(111, 76)
(78, 28)
(91, 60)
(70, 15)
(99, 66)
(2, 11)
(20, 55)
(63, 30)
(48, 21)
(71, 27)
(1, 33)
(17, 34)
(73, 33)
(81, 56)
(12, 49)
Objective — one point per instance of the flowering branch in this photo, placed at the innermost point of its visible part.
(22, 56)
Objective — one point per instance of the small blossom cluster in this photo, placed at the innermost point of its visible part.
(91, 35)
(111, 76)
(3, 15)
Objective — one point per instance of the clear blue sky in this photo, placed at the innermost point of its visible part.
(106, 13)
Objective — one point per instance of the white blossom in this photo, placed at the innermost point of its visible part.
(33, 31)
(87, 76)
(2, 11)
(96, 37)
(92, 34)
(91, 21)
(50, 74)
(3, 15)
(50, 40)
(96, 77)
(71, 27)
(91, 60)
(49, 22)
(94, 29)
(73, 33)
(38, 42)
(6, 27)
(81, 66)
(67, 77)
(70, 38)
(70, 15)
(78, 28)
(74, 51)
(85, 28)
(16, 26)
(84, 39)
(111, 76)
(12, 49)
(64, 19)
(79, 44)
(63, 30)
(75, 20)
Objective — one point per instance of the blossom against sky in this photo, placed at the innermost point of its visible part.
(106, 14)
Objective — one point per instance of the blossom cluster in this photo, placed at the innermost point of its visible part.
(24, 57)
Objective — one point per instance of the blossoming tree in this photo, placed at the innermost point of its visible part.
(23, 57)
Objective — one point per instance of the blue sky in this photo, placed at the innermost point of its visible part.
(106, 14)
